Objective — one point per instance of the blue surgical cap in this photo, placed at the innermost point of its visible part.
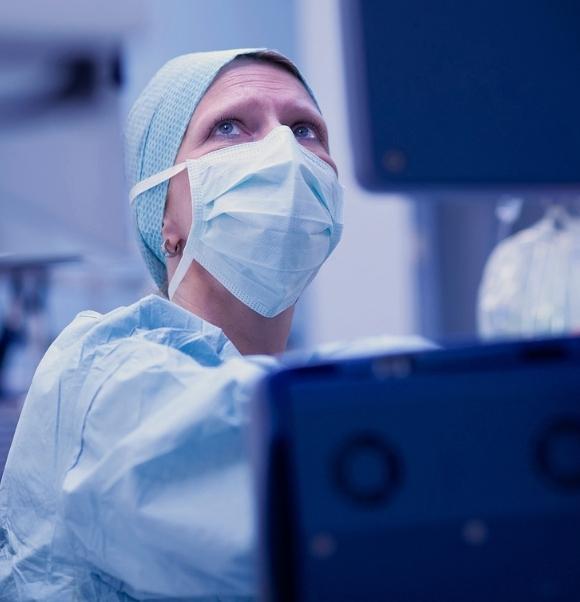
(156, 125)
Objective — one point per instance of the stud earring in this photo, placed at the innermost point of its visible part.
(168, 253)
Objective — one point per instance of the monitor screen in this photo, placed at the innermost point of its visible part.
(459, 96)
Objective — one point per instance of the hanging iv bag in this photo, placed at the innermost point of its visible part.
(531, 283)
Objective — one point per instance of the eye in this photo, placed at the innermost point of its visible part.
(226, 128)
(304, 131)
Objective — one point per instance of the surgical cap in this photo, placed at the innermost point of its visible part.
(156, 125)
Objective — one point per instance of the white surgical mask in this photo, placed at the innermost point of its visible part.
(265, 216)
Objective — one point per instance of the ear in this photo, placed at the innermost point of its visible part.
(176, 217)
(173, 244)
(172, 238)
(173, 234)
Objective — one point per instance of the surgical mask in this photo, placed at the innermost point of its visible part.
(265, 216)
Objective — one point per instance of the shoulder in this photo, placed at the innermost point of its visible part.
(147, 336)
(150, 322)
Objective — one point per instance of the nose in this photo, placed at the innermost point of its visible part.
(269, 124)
(270, 121)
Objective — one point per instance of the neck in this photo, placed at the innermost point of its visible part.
(250, 332)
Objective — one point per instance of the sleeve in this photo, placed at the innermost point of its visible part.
(159, 497)
(362, 347)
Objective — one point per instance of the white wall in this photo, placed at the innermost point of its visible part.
(368, 286)
(179, 26)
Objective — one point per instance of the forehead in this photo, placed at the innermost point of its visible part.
(247, 78)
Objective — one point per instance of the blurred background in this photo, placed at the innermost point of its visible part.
(69, 72)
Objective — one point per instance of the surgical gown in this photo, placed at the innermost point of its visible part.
(129, 476)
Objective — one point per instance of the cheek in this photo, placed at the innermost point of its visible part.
(328, 159)
(323, 154)
(179, 204)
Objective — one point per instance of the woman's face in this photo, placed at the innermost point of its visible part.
(244, 103)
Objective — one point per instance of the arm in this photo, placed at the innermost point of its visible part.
(159, 496)
(359, 348)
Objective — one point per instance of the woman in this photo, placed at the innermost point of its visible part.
(128, 477)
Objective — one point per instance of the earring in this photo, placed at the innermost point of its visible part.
(166, 252)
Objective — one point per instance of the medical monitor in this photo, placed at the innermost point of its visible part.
(464, 97)
(441, 475)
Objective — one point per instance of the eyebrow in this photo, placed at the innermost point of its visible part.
(287, 107)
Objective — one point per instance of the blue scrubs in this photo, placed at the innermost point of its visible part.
(129, 476)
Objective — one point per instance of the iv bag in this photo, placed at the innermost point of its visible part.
(531, 283)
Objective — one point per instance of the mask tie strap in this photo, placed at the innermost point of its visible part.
(155, 180)
(180, 271)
